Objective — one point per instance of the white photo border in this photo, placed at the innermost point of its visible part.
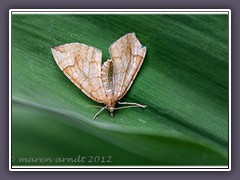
(118, 168)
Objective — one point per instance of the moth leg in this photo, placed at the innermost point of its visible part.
(99, 112)
(135, 104)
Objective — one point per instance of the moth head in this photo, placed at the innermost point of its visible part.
(111, 109)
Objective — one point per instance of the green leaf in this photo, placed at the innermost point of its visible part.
(183, 82)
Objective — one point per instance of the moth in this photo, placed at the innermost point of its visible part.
(108, 83)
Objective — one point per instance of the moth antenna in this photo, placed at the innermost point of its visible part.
(142, 106)
(135, 104)
(95, 106)
(99, 112)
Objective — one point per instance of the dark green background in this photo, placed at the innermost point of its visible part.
(183, 80)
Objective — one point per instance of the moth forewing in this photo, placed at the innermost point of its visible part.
(127, 55)
(82, 65)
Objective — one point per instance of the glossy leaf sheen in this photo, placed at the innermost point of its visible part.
(183, 80)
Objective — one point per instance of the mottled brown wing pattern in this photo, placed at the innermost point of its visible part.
(82, 65)
(127, 56)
